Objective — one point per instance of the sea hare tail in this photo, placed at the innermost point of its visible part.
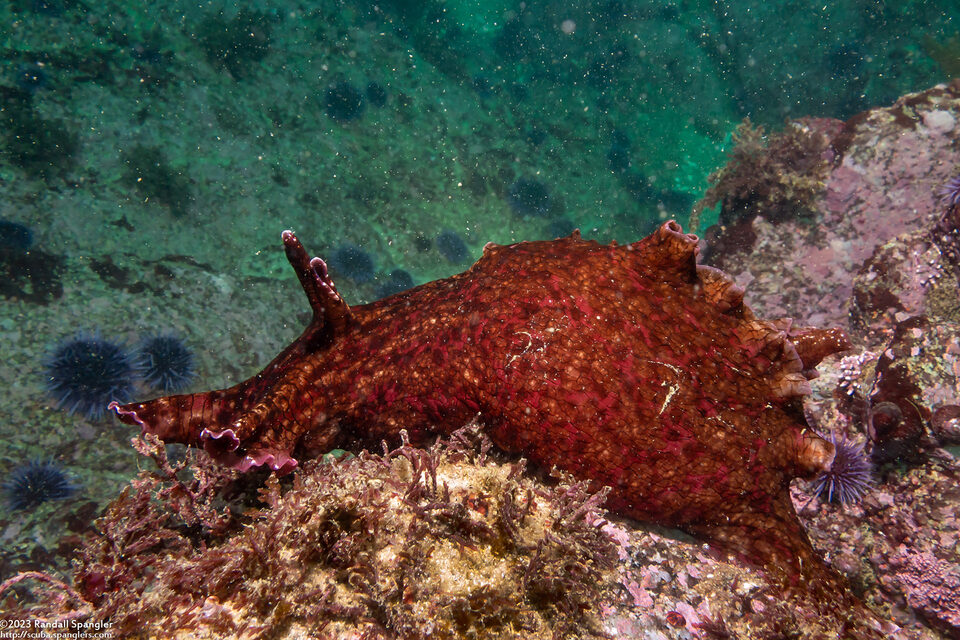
(210, 421)
(181, 418)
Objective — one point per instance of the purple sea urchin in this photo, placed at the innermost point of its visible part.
(398, 280)
(36, 482)
(352, 262)
(529, 198)
(85, 373)
(15, 237)
(343, 102)
(451, 246)
(950, 192)
(848, 478)
(376, 94)
(165, 363)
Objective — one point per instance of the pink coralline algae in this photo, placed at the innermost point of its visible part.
(878, 254)
(932, 587)
(887, 167)
(878, 257)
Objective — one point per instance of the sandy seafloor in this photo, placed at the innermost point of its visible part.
(249, 149)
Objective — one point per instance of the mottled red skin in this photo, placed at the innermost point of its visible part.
(628, 365)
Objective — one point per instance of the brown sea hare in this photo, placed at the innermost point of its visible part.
(630, 366)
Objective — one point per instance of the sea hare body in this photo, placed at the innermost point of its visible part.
(631, 366)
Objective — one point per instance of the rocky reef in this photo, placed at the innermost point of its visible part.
(878, 242)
